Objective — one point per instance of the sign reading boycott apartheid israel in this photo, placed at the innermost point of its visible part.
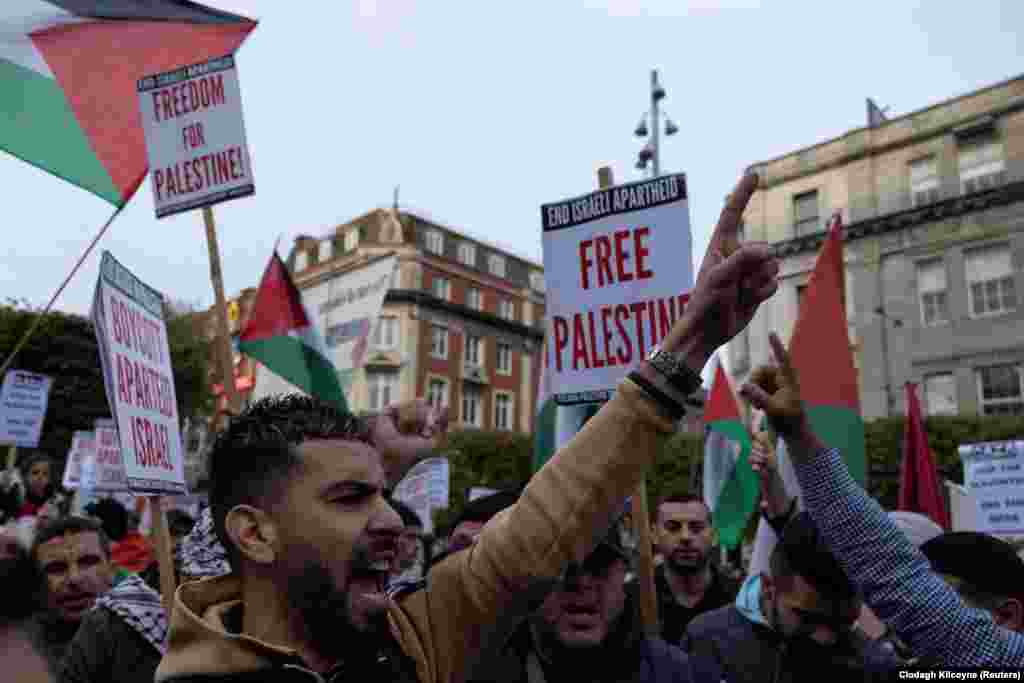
(994, 477)
(619, 270)
(130, 331)
(195, 136)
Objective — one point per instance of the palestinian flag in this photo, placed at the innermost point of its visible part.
(68, 72)
(730, 485)
(280, 335)
(545, 424)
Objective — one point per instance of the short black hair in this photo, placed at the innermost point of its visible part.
(114, 516)
(988, 568)
(680, 498)
(257, 452)
(802, 552)
(482, 509)
(69, 525)
(409, 518)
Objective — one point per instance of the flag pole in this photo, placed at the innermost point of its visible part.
(640, 515)
(39, 318)
(162, 545)
(223, 342)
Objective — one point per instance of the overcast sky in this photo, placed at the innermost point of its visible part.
(484, 111)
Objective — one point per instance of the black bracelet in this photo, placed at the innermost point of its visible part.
(667, 403)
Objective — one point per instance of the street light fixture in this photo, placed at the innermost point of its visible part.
(651, 152)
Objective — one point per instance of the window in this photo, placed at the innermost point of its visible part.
(1000, 389)
(496, 264)
(383, 389)
(931, 288)
(471, 400)
(503, 411)
(437, 392)
(537, 281)
(981, 165)
(326, 251)
(504, 359)
(990, 280)
(473, 344)
(940, 394)
(438, 342)
(385, 336)
(474, 299)
(351, 240)
(507, 309)
(301, 260)
(441, 288)
(805, 213)
(467, 254)
(924, 181)
(435, 242)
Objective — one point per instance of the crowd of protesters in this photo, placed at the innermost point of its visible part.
(303, 567)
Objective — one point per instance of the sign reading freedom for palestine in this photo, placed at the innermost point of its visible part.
(195, 136)
(618, 263)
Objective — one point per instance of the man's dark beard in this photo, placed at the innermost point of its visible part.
(689, 568)
(327, 616)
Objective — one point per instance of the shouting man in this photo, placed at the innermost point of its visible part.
(298, 498)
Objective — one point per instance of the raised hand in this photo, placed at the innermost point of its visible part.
(734, 280)
(775, 389)
(405, 433)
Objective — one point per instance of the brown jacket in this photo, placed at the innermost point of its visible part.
(562, 513)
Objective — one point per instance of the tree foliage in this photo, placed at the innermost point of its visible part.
(64, 347)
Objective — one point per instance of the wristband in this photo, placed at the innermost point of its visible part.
(673, 409)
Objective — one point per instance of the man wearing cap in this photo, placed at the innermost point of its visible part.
(588, 629)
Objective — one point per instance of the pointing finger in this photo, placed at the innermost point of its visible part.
(727, 231)
(782, 356)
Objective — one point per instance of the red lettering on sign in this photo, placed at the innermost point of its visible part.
(622, 312)
(604, 269)
(642, 252)
(621, 256)
(561, 339)
(605, 313)
(579, 345)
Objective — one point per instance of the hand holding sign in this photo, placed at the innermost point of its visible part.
(734, 280)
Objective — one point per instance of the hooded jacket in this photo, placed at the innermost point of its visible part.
(741, 639)
(439, 628)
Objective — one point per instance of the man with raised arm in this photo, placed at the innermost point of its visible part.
(298, 499)
(897, 581)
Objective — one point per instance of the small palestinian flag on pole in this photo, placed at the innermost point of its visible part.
(280, 335)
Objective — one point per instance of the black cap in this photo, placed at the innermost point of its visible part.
(607, 550)
(986, 562)
(482, 509)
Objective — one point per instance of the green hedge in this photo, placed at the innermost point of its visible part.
(498, 459)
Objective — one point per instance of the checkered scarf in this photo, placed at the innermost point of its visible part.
(201, 555)
(140, 607)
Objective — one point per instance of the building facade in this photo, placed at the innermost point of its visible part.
(462, 323)
(933, 204)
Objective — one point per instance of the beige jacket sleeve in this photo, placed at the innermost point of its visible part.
(564, 510)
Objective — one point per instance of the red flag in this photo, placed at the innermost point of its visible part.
(920, 490)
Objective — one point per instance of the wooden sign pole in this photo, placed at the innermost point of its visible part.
(162, 547)
(12, 456)
(223, 342)
(641, 518)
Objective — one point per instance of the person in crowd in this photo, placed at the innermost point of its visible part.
(410, 555)
(588, 628)
(73, 556)
(470, 522)
(896, 579)
(41, 496)
(19, 659)
(297, 491)
(792, 623)
(687, 582)
(985, 571)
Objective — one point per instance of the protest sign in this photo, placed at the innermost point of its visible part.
(479, 492)
(346, 309)
(195, 136)
(132, 338)
(618, 268)
(994, 477)
(108, 472)
(23, 400)
(424, 489)
(83, 448)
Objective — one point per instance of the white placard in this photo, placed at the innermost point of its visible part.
(425, 488)
(136, 359)
(195, 136)
(83, 447)
(618, 267)
(106, 470)
(23, 400)
(994, 477)
(345, 309)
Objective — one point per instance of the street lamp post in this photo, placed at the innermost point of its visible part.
(651, 152)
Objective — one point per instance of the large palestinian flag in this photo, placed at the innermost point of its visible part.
(68, 72)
